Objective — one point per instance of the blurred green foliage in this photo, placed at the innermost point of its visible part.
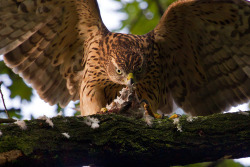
(18, 87)
(143, 15)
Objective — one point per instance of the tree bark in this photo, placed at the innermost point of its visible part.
(124, 141)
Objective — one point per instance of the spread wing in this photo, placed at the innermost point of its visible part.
(44, 41)
(205, 48)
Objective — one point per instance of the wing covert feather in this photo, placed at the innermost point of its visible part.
(44, 42)
(205, 48)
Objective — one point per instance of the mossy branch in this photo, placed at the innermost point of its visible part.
(123, 141)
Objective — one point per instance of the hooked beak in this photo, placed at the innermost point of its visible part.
(130, 79)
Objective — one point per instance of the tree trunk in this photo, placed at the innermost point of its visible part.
(124, 141)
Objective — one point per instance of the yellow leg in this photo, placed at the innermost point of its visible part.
(150, 112)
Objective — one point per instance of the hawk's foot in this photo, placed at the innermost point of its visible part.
(149, 111)
(103, 110)
(174, 116)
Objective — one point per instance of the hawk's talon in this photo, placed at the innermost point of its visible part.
(149, 111)
(103, 110)
(174, 116)
(156, 115)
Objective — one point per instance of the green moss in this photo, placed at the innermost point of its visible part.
(118, 135)
(7, 143)
(25, 144)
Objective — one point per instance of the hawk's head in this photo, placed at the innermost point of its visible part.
(127, 57)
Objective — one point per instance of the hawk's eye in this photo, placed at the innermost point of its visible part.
(118, 71)
(139, 70)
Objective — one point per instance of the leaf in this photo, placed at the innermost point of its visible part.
(15, 113)
(141, 21)
(77, 113)
(18, 87)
